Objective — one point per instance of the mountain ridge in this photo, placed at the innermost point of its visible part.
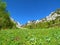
(52, 19)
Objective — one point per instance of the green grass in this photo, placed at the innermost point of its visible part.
(30, 37)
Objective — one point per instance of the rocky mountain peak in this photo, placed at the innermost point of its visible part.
(52, 16)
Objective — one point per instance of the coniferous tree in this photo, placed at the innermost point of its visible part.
(5, 21)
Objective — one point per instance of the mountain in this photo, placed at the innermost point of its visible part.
(18, 25)
(52, 20)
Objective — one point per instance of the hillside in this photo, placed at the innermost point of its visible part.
(52, 20)
(30, 36)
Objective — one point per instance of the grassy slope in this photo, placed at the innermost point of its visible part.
(30, 37)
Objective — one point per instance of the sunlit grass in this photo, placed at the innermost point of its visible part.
(49, 36)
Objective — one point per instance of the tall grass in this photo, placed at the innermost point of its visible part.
(49, 36)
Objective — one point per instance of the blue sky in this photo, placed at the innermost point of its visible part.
(24, 10)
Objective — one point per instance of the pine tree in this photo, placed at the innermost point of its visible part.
(5, 21)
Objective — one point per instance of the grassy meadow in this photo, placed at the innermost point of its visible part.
(49, 36)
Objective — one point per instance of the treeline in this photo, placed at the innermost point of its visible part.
(5, 21)
(54, 23)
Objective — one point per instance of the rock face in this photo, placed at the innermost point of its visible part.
(18, 25)
(52, 19)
